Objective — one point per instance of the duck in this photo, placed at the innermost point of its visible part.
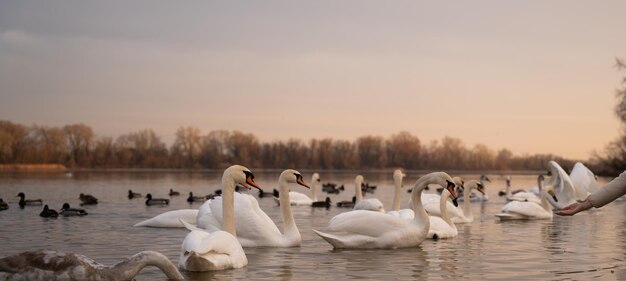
(30, 202)
(322, 204)
(48, 213)
(257, 229)
(3, 205)
(301, 199)
(398, 176)
(66, 211)
(361, 229)
(333, 189)
(174, 193)
(346, 203)
(171, 219)
(517, 210)
(202, 250)
(132, 194)
(88, 199)
(156, 201)
(443, 227)
(370, 204)
(53, 265)
(192, 198)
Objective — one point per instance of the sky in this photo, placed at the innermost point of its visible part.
(530, 76)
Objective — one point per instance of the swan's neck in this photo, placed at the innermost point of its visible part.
(357, 190)
(467, 207)
(397, 195)
(228, 205)
(508, 189)
(443, 207)
(544, 198)
(421, 217)
(314, 189)
(290, 229)
(127, 269)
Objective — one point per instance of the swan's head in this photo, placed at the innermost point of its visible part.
(440, 178)
(474, 184)
(241, 175)
(315, 178)
(398, 175)
(459, 182)
(550, 191)
(292, 176)
(484, 178)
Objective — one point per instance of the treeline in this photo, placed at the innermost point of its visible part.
(78, 146)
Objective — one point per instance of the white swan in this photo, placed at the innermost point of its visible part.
(524, 196)
(432, 201)
(257, 229)
(46, 265)
(583, 178)
(362, 229)
(566, 192)
(468, 216)
(442, 227)
(301, 199)
(516, 210)
(171, 219)
(370, 204)
(398, 175)
(203, 251)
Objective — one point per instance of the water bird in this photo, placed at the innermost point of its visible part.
(370, 204)
(255, 227)
(52, 265)
(464, 215)
(88, 199)
(132, 194)
(398, 176)
(3, 205)
(301, 199)
(361, 229)
(66, 211)
(443, 227)
(171, 219)
(30, 202)
(156, 201)
(192, 198)
(48, 213)
(516, 210)
(322, 204)
(332, 188)
(524, 196)
(205, 251)
(174, 193)
(346, 203)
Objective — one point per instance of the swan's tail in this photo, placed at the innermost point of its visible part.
(189, 226)
(331, 239)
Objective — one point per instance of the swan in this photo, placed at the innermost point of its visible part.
(52, 265)
(432, 201)
(525, 196)
(398, 175)
(171, 219)
(583, 178)
(30, 202)
(360, 229)
(516, 210)
(301, 199)
(566, 192)
(370, 204)
(66, 211)
(204, 251)
(258, 230)
(156, 201)
(443, 227)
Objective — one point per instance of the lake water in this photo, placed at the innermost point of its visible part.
(590, 245)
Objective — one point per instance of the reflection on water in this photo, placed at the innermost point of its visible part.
(587, 246)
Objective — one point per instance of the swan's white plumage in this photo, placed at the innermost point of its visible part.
(442, 227)
(204, 251)
(524, 196)
(529, 210)
(583, 178)
(171, 219)
(370, 204)
(431, 205)
(566, 192)
(299, 199)
(365, 229)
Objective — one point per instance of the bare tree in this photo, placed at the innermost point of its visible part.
(79, 139)
(187, 145)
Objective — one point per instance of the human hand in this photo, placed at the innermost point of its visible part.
(574, 208)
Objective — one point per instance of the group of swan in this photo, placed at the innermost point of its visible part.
(516, 210)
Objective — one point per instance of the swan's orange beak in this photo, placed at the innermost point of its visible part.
(451, 188)
(250, 181)
(300, 181)
(551, 192)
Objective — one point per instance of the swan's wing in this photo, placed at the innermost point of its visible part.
(217, 250)
(583, 179)
(431, 203)
(368, 223)
(563, 186)
(206, 219)
(370, 204)
(528, 209)
(171, 219)
(297, 198)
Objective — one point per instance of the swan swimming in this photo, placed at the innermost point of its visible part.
(46, 265)
(398, 176)
(257, 229)
(204, 251)
(301, 199)
(370, 204)
(443, 227)
(432, 203)
(525, 196)
(360, 229)
(516, 210)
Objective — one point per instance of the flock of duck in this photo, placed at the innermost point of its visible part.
(226, 224)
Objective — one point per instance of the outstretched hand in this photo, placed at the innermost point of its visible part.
(574, 208)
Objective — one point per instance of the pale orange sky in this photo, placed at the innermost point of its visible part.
(530, 76)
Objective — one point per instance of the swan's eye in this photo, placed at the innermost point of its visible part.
(186, 253)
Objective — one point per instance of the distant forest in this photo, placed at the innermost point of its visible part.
(78, 146)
